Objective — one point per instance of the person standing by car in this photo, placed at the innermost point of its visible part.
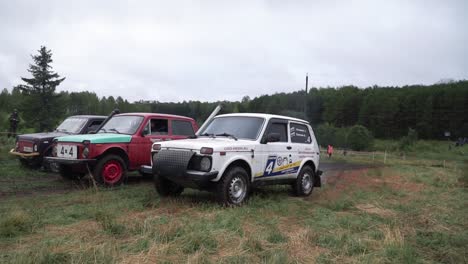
(14, 120)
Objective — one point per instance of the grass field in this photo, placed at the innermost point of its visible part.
(399, 212)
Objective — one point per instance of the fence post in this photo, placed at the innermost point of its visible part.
(385, 157)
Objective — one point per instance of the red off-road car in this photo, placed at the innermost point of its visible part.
(122, 144)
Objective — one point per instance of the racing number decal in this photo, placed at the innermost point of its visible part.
(270, 166)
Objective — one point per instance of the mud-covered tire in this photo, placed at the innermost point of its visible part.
(165, 187)
(304, 184)
(67, 173)
(233, 188)
(110, 170)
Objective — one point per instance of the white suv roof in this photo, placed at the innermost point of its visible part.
(267, 116)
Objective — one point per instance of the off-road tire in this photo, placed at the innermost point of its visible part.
(110, 170)
(165, 187)
(304, 184)
(233, 188)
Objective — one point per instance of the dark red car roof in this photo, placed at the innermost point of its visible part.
(156, 115)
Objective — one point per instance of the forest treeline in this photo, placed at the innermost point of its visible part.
(388, 112)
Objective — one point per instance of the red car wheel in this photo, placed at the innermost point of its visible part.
(112, 171)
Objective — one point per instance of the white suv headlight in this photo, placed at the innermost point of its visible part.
(205, 164)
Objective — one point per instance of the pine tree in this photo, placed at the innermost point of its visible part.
(42, 105)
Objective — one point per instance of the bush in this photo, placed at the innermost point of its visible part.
(359, 138)
(326, 134)
(409, 140)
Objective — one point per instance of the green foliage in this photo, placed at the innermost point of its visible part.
(408, 140)
(388, 112)
(41, 99)
(326, 134)
(359, 138)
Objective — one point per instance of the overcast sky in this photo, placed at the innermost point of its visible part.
(224, 50)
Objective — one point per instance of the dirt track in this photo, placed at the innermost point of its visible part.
(54, 184)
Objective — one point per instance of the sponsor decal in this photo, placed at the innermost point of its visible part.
(236, 148)
(277, 165)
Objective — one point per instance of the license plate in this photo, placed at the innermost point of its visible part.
(67, 151)
(27, 149)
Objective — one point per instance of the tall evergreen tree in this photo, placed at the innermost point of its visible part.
(41, 106)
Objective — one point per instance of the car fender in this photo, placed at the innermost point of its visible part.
(231, 159)
(304, 161)
(100, 149)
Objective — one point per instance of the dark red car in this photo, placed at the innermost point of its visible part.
(122, 144)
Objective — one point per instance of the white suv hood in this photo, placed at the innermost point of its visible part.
(218, 144)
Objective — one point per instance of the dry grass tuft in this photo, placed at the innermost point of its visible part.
(392, 236)
(372, 209)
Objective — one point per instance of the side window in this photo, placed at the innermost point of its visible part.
(182, 128)
(299, 133)
(159, 127)
(280, 128)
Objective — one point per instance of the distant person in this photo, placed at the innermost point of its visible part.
(330, 151)
(14, 120)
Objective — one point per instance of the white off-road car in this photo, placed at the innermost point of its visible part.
(234, 152)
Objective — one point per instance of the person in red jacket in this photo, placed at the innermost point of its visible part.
(329, 151)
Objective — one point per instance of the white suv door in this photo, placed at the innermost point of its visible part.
(274, 157)
(301, 142)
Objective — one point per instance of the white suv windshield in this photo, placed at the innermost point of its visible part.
(122, 125)
(238, 126)
(72, 125)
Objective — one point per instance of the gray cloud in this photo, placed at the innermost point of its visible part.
(223, 50)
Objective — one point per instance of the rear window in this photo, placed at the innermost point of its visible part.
(182, 128)
(300, 134)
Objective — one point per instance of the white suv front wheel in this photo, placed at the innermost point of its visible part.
(304, 183)
(233, 188)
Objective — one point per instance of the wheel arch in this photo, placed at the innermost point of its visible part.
(317, 179)
(117, 151)
(240, 162)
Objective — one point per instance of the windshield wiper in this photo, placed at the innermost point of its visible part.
(227, 135)
(103, 129)
(113, 129)
(207, 135)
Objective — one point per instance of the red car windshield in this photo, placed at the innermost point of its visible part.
(122, 125)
